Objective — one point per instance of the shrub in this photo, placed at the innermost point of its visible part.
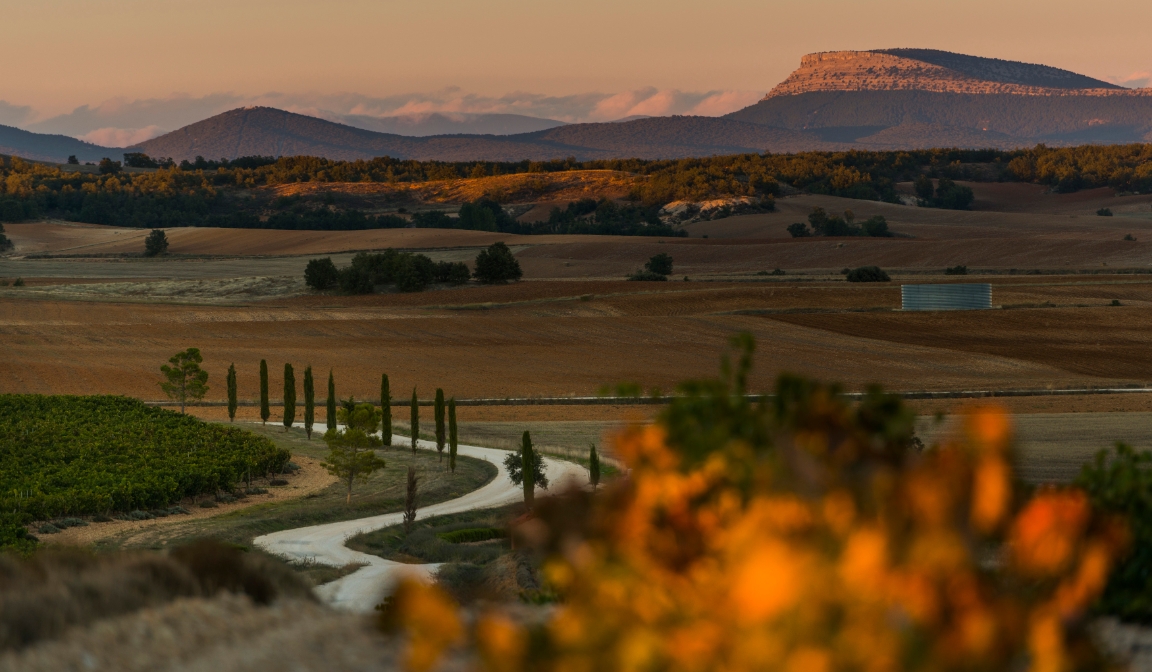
(156, 243)
(868, 274)
(647, 276)
(321, 274)
(453, 273)
(876, 227)
(1129, 237)
(208, 504)
(48, 528)
(801, 531)
(497, 264)
(798, 229)
(472, 534)
(660, 264)
(956, 270)
(1104, 212)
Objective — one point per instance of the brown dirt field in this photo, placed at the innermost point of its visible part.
(311, 478)
(1104, 342)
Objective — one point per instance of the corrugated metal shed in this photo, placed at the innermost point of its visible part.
(946, 297)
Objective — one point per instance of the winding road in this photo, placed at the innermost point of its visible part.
(363, 589)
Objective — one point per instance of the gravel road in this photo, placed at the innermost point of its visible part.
(363, 589)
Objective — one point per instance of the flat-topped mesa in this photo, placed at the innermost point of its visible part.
(937, 71)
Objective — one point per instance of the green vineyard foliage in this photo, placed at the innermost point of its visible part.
(68, 456)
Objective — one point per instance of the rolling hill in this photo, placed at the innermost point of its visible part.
(45, 147)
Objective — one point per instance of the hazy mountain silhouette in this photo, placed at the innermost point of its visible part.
(44, 147)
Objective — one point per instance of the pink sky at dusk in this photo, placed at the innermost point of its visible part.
(591, 60)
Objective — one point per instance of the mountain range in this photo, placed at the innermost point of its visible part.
(882, 99)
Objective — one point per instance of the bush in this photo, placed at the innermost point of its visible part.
(647, 276)
(799, 230)
(473, 534)
(876, 227)
(1104, 212)
(661, 264)
(868, 274)
(321, 274)
(956, 270)
(109, 167)
(1129, 237)
(497, 264)
(156, 243)
(208, 504)
(452, 273)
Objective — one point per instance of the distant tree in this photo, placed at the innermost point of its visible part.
(876, 227)
(453, 273)
(265, 411)
(868, 274)
(410, 495)
(321, 274)
(924, 188)
(232, 400)
(73, 161)
(350, 451)
(289, 396)
(594, 467)
(415, 420)
(331, 409)
(497, 264)
(453, 436)
(139, 160)
(184, 379)
(952, 196)
(660, 264)
(309, 401)
(799, 230)
(1104, 212)
(385, 410)
(531, 476)
(156, 243)
(109, 167)
(438, 414)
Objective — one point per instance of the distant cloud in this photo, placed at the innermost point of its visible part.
(121, 137)
(119, 122)
(1136, 80)
(14, 115)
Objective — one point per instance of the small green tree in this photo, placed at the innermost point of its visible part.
(289, 396)
(350, 454)
(441, 438)
(497, 264)
(265, 411)
(594, 467)
(661, 264)
(331, 409)
(156, 244)
(185, 380)
(385, 410)
(453, 437)
(309, 401)
(232, 399)
(415, 420)
(526, 468)
(410, 495)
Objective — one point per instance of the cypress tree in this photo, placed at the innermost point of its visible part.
(439, 413)
(528, 469)
(265, 412)
(452, 435)
(594, 467)
(415, 420)
(331, 401)
(309, 401)
(385, 410)
(232, 393)
(289, 396)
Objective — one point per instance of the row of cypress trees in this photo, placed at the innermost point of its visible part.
(447, 434)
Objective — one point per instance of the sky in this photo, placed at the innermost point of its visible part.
(120, 71)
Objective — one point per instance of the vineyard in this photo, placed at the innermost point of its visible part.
(68, 456)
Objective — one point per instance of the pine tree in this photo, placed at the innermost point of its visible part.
(309, 401)
(265, 412)
(594, 467)
(415, 420)
(439, 414)
(385, 410)
(289, 396)
(452, 435)
(331, 401)
(527, 468)
(232, 402)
